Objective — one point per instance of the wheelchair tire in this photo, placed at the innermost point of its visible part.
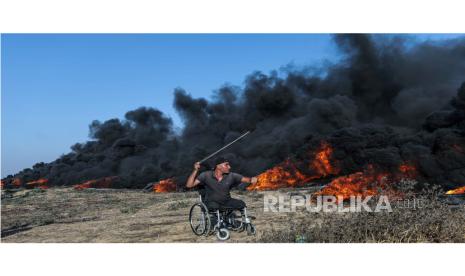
(223, 234)
(203, 225)
(251, 229)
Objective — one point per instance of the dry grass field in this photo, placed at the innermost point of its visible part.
(129, 216)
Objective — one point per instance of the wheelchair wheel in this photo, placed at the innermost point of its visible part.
(199, 219)
(250, 229)
(235, 221)
(222, 234)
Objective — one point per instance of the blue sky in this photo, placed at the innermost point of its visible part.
(54, 85)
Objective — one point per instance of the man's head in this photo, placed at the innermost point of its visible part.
(222, 164)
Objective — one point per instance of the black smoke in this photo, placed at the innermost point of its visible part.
(387, 101)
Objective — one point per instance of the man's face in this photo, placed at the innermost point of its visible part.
(224, 167)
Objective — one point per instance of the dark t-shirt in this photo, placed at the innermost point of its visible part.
(218, 191)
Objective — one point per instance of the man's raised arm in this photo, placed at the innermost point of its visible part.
(191, 181)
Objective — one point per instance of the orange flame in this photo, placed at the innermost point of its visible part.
(17, 182)
(104, 182)
(357, 184)
(40, 183)
(457, 191)
(165, 186)
(367, 183)
(284, 175)
(287, 174)
(407, 171)
(321, 163)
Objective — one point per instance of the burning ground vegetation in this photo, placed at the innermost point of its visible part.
(316, 168)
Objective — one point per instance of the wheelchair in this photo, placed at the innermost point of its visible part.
(205, 222)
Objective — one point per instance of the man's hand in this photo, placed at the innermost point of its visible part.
(197, 166)
(251, 180)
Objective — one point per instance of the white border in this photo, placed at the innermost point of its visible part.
(231, 259)
(212, 16)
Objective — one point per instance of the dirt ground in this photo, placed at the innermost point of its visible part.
(59, 215)
(116, 216)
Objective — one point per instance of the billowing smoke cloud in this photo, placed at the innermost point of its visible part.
(386, 102)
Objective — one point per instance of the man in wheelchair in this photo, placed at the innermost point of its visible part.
(217, 184)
